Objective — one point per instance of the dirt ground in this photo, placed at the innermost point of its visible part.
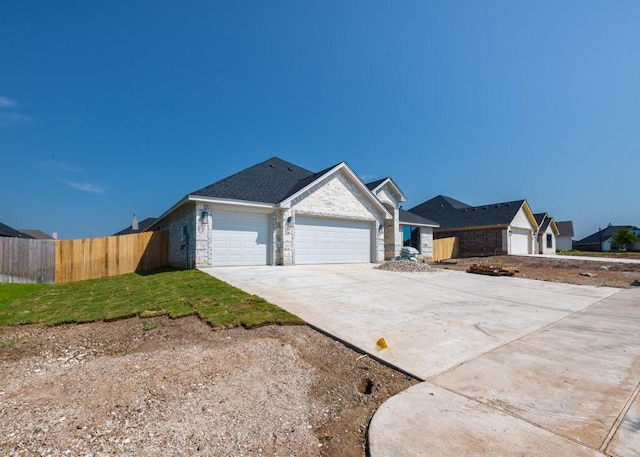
(562, 269)
(143, 387)
(148, 387)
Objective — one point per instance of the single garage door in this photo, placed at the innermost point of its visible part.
(239, 238)
(520, 241)
(320, 240)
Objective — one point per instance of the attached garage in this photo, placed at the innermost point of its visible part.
(520, 241)
(320, 240)
(239, 238)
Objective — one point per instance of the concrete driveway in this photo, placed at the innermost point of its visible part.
(512, 366)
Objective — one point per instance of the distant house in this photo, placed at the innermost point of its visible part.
(278, 213)
(7, 231)
(564, 240)
(137, 227)
(37, 234)
(494, 229)
(546, 235)
(601, 240)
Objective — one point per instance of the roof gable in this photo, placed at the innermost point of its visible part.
(342, 167)
(378, 185)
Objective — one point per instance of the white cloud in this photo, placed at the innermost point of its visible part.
(6, 102)
(10, 118)
(84, 187)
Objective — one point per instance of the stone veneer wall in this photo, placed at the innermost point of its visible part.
(204, 236)
(181, 251)
(426, 242)
(473, 243)
(334, 197)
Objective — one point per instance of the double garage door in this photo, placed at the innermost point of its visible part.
(332, 241)
(244, 239)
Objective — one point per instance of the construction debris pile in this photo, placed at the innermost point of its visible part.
(491, 270)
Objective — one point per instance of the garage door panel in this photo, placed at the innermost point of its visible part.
(520, 242)
(240, 239)
(332, 241)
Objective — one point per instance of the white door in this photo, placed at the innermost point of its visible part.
(239, 238)
(320, 240)
(520, 241)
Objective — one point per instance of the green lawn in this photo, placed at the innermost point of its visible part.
(173, 292)
(612, 254)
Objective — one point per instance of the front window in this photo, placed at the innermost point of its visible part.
(411, 236)
(549, 241)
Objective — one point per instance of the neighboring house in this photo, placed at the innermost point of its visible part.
(601, 240)
(564, 240)
(137, 227)
(7, 231)
(277, 213)
(546, 234)
(37, 234)
(498, 228)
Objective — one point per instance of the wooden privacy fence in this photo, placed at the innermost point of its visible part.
(49, 261)
(90, 258)
(445, 248)
(26, 260)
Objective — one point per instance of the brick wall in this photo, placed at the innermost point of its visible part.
(473, 243)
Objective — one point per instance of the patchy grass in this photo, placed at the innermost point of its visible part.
(611, 254)
(149, 326)
(175, 293)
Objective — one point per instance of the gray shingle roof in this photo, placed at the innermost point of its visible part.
(143, 225)
(607, 233)
(409, 218)
(454, 214)
(5, 230)
(374, 184)
(565, 228)
(36, 234)
(271, 181)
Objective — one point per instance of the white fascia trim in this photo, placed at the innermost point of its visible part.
(409, 224)
(403, 197)
(342, 165)
(229, 201)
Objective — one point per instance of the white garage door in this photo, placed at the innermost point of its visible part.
(332, 241)
(520, 241)
(239, 239)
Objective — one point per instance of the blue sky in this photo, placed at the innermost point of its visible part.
(120, 107)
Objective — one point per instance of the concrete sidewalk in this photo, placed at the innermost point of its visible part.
(581, 257)
(513, 366)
